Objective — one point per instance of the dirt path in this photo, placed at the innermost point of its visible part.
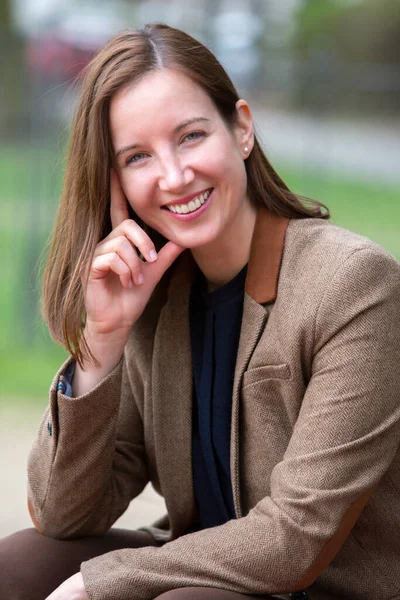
(18, 426)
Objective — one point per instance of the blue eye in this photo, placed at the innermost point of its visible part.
(136, 157)
(193, 135)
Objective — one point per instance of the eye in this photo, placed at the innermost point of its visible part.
(193, 136)
(136, 157)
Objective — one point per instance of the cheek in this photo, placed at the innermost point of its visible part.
(136, 190)
(231, 173)
(226, 163)
(215, 155)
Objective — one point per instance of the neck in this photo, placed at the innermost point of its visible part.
(226, 256)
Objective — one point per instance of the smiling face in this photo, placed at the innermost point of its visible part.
(181, 167)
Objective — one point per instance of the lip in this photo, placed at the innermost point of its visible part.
(196, 213)
(187, 199)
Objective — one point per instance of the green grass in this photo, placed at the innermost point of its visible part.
(25, 373)
(371, 210)
(30, 172)
(30, 182)
(29, 189)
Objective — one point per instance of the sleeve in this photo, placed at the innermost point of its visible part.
(345, 439)
(88, 460)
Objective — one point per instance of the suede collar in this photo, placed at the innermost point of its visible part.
(266, 256)
(264, 262)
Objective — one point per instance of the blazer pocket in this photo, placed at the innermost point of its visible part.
(259, 374)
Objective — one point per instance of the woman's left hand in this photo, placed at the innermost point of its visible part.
(72, 589)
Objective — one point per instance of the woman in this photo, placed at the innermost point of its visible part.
(237, 350)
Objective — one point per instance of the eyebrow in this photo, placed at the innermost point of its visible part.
(176, 130)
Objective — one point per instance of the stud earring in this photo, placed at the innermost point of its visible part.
(246, 149)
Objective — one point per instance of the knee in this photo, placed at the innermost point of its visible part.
(205, 593)
(190, 593)
(14, 553)
(17, 541)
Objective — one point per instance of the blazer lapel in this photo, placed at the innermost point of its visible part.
(260, 288)
(172, 377)
(253, 322)
(172, 400)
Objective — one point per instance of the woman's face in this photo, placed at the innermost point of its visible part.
(180, 166)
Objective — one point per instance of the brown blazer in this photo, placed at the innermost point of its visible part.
(315, 458)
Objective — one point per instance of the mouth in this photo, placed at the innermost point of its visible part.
(194, 204)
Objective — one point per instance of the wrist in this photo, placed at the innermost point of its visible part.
(106, 348)
(107, 351)
(86, 378)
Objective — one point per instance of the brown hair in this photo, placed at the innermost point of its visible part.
(83, 217)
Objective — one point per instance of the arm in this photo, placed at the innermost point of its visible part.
(88, 461)
(347, 434)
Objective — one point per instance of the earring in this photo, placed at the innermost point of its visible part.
(246, 149)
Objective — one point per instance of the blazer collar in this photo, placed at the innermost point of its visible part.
(266, 256)
(264, 262)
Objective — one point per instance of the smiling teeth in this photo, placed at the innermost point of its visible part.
(191, 206)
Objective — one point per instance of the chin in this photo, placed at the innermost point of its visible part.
(194, 241)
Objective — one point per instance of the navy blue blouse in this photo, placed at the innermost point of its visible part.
(215, 320)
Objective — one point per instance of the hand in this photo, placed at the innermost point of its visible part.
(72, 589)
(115, 296)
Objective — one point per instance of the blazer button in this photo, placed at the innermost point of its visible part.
(49, 428)
(61, 387)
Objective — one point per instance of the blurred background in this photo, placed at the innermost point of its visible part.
(322, 76)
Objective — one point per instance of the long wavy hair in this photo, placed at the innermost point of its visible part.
(84, 214)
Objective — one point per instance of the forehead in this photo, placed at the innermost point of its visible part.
(158, 100)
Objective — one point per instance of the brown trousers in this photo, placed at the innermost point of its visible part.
(32, 566)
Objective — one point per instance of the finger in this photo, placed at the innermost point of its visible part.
(119, 203)
(136, 236)
(102, 265)
(122, 246)
(166, 256)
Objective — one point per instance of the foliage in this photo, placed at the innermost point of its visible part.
(364, 31)
(5, 13)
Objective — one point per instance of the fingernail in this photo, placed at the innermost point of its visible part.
(140, 278)
(153, 254)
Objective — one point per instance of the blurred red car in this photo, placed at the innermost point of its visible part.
(66, 44)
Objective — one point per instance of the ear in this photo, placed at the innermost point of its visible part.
(243, 128)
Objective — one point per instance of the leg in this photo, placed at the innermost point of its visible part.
(203, 593)
(32, 565)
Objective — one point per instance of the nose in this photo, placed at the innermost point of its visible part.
(175, 176)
